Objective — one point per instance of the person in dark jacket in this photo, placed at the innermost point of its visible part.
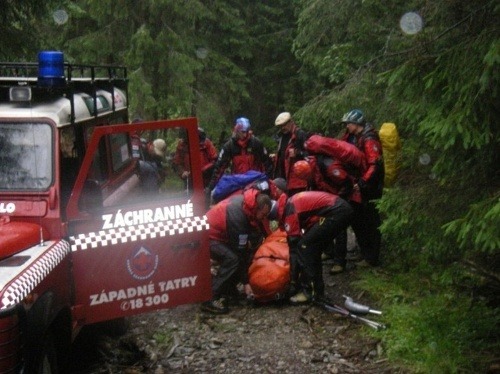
(366, 222)
(151, 170)
(311, 220)
(290, 150)
(235, 232)
(243, 152)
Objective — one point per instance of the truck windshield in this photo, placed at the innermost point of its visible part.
(25, 156)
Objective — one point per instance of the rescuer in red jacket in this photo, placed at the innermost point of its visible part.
(366, 222)
(329, 175)
(311, 220)
(243, 152)
(290, 150)
(337, 165)
(208, 154)
(236, 230)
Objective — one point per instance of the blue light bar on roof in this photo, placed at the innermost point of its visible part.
(51, 68)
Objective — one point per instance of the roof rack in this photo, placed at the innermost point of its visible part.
(78, 78)
(86, 78)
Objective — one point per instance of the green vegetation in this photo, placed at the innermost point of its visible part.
(432, 327)
(439, 83)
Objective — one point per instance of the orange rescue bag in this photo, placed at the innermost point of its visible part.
(269, 272)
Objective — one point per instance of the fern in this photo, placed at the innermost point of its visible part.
(478, 230)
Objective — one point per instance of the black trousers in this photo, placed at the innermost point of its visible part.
(231, 265)
(340, 249)
(366, 226)
(312, 243)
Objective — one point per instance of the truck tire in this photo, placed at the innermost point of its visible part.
(46, 361)
(115, 327)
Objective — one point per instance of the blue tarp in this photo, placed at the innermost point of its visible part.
(233, 182)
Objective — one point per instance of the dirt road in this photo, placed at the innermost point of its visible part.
(271, 338)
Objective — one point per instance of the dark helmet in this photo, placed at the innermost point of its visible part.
(354, 116)
(280, 183)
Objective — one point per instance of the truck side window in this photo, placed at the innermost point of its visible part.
(117, 179)
(120, 151)
(170, 183)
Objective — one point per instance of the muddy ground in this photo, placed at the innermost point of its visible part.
(270, 338)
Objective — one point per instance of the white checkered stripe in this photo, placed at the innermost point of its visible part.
(104, 238)
(34, 274)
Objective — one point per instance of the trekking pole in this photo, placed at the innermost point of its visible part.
(342, 311)
(345, 312)
(354, 307)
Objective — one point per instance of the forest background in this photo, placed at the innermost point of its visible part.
(431, 67)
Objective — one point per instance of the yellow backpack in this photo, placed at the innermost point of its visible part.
(391, 146)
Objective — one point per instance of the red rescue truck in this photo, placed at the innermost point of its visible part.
(80, 241)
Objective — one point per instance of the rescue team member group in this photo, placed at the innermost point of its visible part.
(314, 195)
(317, 188)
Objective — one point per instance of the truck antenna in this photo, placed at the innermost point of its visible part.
(41, 237)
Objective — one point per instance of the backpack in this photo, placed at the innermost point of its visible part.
(391, 147)
(343, 151)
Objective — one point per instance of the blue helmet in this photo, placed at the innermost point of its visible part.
(242, 124)
(354, 116)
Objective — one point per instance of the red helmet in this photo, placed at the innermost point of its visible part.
(302, 169)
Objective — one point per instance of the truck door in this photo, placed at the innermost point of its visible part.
(135, 250)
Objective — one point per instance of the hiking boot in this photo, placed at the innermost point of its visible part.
(325, 256)
(353, 254)
(363, 264)
(300, 298)
(292, 290)
(337, 269)
(216, 306)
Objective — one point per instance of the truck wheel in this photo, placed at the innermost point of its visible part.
(115, 327)
(46, 362)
